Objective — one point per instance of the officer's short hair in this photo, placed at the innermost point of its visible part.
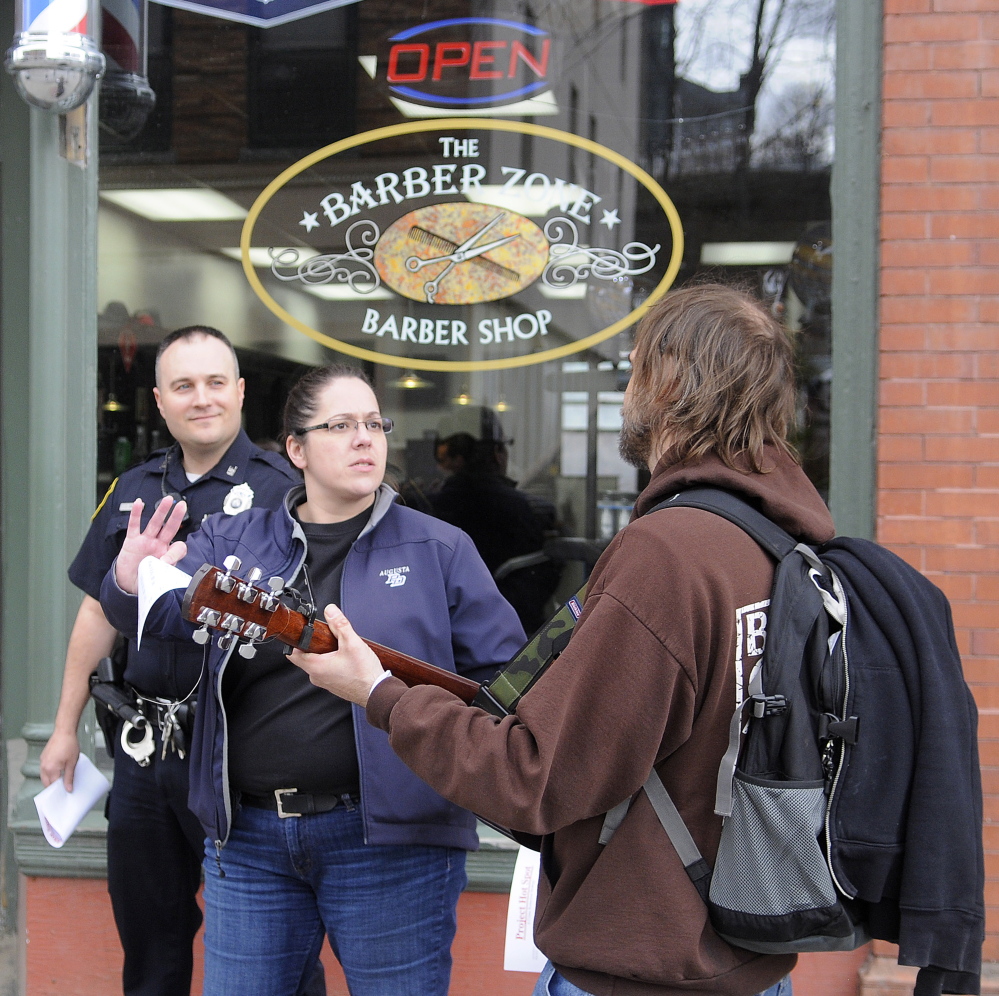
(191, 332)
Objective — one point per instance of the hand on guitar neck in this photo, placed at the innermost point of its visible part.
(351, 670)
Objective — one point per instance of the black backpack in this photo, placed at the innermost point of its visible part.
(851, 789)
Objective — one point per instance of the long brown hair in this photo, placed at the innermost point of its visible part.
(713, 373)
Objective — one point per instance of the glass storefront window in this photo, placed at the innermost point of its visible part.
(472, 200)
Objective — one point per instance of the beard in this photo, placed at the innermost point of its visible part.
(635, 443)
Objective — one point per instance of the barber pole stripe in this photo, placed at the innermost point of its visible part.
(57, 17)
(121, 27)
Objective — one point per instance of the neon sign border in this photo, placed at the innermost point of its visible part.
(463, 124)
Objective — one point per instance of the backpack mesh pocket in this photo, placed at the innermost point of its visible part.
(770, 860)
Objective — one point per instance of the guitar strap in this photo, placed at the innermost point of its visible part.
(501, 695)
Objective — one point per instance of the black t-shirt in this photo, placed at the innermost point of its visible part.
(284, 732)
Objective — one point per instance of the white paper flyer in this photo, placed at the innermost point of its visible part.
(520, 953)
(59, 811)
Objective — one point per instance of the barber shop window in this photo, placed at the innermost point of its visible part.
(621, 148)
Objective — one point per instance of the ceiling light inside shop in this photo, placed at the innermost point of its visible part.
(178, 204)
(265, 257)
(746, 253)
(574, 293)
(344, 292)
(411, 381)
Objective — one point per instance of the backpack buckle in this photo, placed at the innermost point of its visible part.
(831, 726)
(768, 705)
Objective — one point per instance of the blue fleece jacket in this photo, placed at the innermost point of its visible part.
(447, 611)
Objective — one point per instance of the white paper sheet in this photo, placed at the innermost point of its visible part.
(156, 579)
(59, 811)
(520, 953)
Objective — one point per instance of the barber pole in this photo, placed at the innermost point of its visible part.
(126, 97)
(54, 61)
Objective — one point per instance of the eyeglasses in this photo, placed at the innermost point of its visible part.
(344, 426)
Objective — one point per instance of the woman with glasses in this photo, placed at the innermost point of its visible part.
(315, 828)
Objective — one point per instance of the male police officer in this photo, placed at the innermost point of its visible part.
(155, 844)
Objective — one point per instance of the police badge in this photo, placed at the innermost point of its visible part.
(239, 499)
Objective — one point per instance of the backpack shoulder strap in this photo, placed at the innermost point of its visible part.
(767, 534)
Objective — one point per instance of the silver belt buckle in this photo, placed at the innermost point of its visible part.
(280, 808)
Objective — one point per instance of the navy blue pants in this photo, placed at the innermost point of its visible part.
(155, 846)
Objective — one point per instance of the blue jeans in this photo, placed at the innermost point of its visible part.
(550, 983)
(389, 912)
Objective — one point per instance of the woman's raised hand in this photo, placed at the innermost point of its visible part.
(156, 540)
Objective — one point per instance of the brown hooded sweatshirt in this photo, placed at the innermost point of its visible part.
(675, 611)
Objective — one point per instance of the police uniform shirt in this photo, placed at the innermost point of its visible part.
(246, 477)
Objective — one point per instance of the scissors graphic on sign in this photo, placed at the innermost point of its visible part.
(464, 252)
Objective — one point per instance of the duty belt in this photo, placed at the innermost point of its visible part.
(174, 718)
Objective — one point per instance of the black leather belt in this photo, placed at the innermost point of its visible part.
(291, 802)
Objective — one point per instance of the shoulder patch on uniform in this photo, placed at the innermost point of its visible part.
(104, 499)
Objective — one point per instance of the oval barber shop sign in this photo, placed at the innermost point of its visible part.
(462, 244)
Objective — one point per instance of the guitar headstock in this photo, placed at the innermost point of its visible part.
(239, 608)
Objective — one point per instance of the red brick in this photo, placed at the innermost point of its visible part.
(962, 503)
(990, 946)
(904, 226)
(987, 533)
(990, 83)
(906, 114)
(985, 643)
(966, 280)
(914, 57)
(964, 169)
(928, 197)
(987, 697)
(902, 393)
(899, 448)
(928, 421)
(987, 477)
(959, 55)
(977, 225)
(930, 27)
(988, 421)
(952, 114)
(957, 587)
(928, 141)
(988, 310)
(980, 670)
(988, 141)
(971, 448)
(928, 365)
(963, 6)
(895, 503)
(912, 555)
(988, 194)
(987, 365)
(908, 7)
(907, 338)
(988, 254)
(970, 393)
(905, 169)
(975, 615)
(928, 253)
(961, 335)
(931, 532)
(967, 558)
(987, 589)
(940, 309)
(939, 83)
(895, 282)
(988, 726)
(990, 26)
(990, 838)
(925, 476)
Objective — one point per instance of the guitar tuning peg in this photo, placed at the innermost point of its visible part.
(247, 650)
(201, 635)
(232, 563)
(226, 640)
(254, 575)
(276, 584)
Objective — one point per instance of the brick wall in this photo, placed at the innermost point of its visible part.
(938, 441)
